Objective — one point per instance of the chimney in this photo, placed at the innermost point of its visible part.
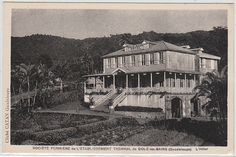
(185, 46)
(198, 50)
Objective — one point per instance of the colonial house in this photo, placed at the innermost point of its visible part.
(153, 75)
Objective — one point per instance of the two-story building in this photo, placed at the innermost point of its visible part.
(153, 75)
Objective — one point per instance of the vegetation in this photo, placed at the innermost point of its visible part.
(84, 56)
(214, 88)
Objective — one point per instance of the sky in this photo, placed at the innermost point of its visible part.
(80, 24)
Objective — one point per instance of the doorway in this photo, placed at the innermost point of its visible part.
(176, 107)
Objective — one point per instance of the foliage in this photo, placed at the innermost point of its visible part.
(137, 109)
(54, 136)
(214, 88)
(96, 127)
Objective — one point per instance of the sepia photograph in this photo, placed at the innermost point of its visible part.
(119, 77)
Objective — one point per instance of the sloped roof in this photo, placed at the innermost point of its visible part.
(206, 55)
(154, 46)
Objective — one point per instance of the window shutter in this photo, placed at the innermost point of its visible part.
(156, 58)
(140, 60)
(147, 59)
(119, 61)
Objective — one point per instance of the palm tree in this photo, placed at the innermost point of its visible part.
(25, 73)
(214, 88)
(61, 71)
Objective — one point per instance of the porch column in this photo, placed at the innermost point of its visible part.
(185, 83)
(114, 82)
(84, 87)
(138, 80)
(127, 80)
(94, 86)
(164, 79)
(175, 81)
(151, 79)
(103, 82)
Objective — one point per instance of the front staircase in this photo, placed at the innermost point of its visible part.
(110, 102)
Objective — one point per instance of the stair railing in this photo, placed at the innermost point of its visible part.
(118, 99)
(103, 99)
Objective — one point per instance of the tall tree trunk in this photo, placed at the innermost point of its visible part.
(61, 86)
(28, 93)
(36, 86)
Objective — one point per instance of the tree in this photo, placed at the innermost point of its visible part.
(61, 71)
(25, 73)
(214, 88)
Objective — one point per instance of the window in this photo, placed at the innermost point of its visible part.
(208, 64)
(152, 58)
(109, 62)
(188, 83)
(133, 60)
(181, 83)
(172, 82)
(123, 60)
(161, 57)
(116, 62)
(143, 59)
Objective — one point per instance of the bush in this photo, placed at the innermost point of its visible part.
(137, 109)
(21, 135)
(54, 136)
(96, 127)
(31, 142)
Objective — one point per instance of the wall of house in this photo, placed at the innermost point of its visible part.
(180, 61)
(208, 65)
(152, 101)
(186, 104)
(153, 58)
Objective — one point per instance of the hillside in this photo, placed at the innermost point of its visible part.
(30, 49)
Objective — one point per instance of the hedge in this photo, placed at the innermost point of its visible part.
(21, 135)
(54, 136)
(96, 127)
(137, 109)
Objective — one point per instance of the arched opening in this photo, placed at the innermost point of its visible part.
(195, 107)
(176, 107)
(120, 79)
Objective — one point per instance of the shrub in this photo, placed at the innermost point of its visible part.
(98, 126)
(127, 121)
(137, 109)
(21, 135)
(54, 136)
(31, 142)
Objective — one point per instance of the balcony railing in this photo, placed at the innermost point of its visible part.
(145, 90)
(94, 90)
(159, 89)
